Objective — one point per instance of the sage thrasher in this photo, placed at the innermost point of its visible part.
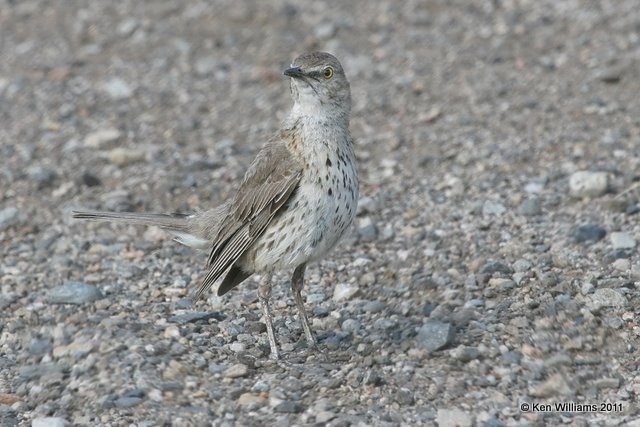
(295, 202)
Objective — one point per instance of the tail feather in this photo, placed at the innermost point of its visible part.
(170, 222)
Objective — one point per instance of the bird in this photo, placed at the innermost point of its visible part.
(296, 200)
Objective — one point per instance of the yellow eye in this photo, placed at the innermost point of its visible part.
(328, 73)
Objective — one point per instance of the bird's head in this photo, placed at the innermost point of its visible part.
(318, 85)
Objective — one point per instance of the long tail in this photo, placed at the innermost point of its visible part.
(171, 222)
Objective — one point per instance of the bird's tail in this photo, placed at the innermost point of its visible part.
(171, 222)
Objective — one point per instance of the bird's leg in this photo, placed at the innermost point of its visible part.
(264, 295)
(297, 281)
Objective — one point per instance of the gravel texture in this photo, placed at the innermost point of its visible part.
(494, 260)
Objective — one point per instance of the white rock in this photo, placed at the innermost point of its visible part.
(453, 418)
(49, 422)
(125, 156)
(622, 264)
(622, 240)
(588, 184)
(344, 291)
(117, 88)
(493, 208)
(102, 137)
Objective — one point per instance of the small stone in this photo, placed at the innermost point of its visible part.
(610, 75)
(205, 65)
(117, 88)
(237, 347)
(324, 417)
(555, 385)
(496, 267)
(366, 205)
(622, 264)
(453, 418)
(404, 397)
(49, 422)
(9, 217)
(530, 207)
(606, 297)
(43, 177)
(588, 184)
(367, 229)
(102, 137)
(465, 353)
(196, 316)
(325, 31)
(128, 402)
(489, 207)
(622, 240)
(493, 422)
(374, 306)
(74, 293)
(172, 331)
(247, 399)
(589, 233)
(522, 265)
(288, 407)
(603, 383)
(125, 156)
(344, 291)
(435, 335)
(351, 325)
(90, 180)
(236, 371)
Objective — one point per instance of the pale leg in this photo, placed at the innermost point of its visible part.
(297, 281)
(264, 295)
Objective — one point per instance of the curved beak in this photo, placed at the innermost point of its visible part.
(294, 72)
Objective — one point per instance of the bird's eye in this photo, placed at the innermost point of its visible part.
(328, 73)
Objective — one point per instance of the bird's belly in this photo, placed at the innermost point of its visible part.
(309, 226)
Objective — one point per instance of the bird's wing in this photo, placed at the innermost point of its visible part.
(267, 185)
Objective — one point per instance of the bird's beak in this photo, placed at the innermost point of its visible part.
(294, 72)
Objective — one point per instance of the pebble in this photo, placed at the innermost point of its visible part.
(606, 297)
(250, 399)
(622, 240)
(102, 137)
(404, 397)
(465, 353)
(74, 293)
(9, 217)
(205, 65)
(288, 407)
(121, 156)
(490, 207)
(367, 229)
(324, 417)
(435, 335)
(43, 177)
(530, 207)
(128, 402)
(351, 325)
(588, 184)
(522, 265)
(453, 418)
(236, 371)
(117, 88)
(344, 292)
(621, 264)
(49, 422)
(496, 267)
(555, 385)
(196, 316)
(589, 233)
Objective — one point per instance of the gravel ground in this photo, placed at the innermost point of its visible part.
(494, 261)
